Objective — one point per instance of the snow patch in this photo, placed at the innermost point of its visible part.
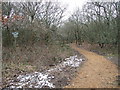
(72, 61)
(43, 79)
(36, 80)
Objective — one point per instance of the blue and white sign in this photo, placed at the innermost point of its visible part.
(15, 34)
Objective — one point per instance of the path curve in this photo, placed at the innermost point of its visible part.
(97, 72)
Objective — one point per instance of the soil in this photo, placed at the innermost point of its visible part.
(97, 72)
(63, 78)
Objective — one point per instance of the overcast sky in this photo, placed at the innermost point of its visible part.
(72, 5)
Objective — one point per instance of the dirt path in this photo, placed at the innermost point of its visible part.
(97, 72)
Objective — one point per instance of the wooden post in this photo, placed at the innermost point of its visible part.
(1, 46)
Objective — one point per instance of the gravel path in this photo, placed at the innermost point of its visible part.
(97, 72)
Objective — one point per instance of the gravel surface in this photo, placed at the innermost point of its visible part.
(97, 72)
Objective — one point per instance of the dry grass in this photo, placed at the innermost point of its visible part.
(32, 58)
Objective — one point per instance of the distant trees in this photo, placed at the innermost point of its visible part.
(96, 23)
(38, 23)
(6, 12)
(104, 22)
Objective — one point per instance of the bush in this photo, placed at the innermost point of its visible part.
(24, 37)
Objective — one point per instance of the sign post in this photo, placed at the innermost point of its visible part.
(15, 35)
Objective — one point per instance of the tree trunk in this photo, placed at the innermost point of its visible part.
(101, 45)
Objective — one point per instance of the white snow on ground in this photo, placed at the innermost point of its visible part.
(36, 80)
(72, 61)
(39, 80)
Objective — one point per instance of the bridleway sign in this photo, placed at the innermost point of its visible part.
(15, 34)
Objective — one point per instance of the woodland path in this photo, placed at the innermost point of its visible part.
(96, 72)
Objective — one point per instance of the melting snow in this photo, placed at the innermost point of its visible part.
(39, 80)
(73, 61)
(36, 80)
